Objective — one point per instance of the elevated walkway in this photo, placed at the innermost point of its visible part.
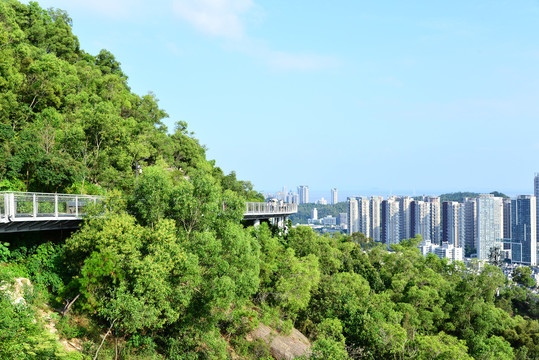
(267, 210)
(24, 211)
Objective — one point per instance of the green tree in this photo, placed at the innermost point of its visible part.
(523, 275)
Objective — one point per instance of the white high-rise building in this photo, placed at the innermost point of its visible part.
(292, 198)
(314, 214)
(421, 216)
(353, 216)
(405, 211)
(489, 224)
(454, 223)
(435, 218)
(375, 230)
(390, 221)
(334, 196)
(364, 216)
(303, 192)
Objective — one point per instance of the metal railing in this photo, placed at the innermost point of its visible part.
(270, 208)
(26, 206)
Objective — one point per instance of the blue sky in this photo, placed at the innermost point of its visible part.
(369, 97)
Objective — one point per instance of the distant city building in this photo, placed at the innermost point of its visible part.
(470, 222)
(364, 222)
(524, 230)
(405, 213)
(334, 196)
(322, 201)
(435, 208)
(303, 192)
(343, 220)
(507, 218)
(314, 214)
(421, 220)
(445, 250)
(449, 221)
(292, 198)
(390, 221)
(449, 251)
(427, 247)
(489, 224)
(353, 219)
(329, 220)
(375, 203)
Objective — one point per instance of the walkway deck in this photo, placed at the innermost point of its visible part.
(25, 211)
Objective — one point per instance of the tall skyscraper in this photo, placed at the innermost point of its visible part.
(292, 198)
(353, 217)
(303, 192)
(507, 218)
(524, 230)
(374, 212)
(435, 218)
(314, 214)
(470, 221)
(405, 217)
(421, 220)
(364, 216)
(450, 221)
(334, 196)
(390, 222)
(489, 224)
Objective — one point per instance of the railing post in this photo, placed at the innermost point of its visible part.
(56, 205)
(34, 206)
(12, 210)
(77, 207)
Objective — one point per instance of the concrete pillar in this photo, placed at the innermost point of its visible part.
(256, 222)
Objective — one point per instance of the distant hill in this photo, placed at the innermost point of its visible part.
(459, 196)
(304, 211)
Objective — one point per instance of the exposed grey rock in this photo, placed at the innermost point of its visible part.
(282, 347)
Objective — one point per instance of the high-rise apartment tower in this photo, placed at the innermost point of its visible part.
(334, 196)
(303, 192)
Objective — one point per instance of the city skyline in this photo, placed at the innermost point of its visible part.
(343, 194)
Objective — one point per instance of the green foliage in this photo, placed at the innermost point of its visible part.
(523, 275)
(4, 251)
(23, 336)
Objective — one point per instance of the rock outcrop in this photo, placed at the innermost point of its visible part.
(282, 347)
(16, 290)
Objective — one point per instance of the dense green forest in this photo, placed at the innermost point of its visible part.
(164, 268)
(459, 196)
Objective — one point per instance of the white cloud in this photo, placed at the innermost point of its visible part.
(215, 17)
(225, 19)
